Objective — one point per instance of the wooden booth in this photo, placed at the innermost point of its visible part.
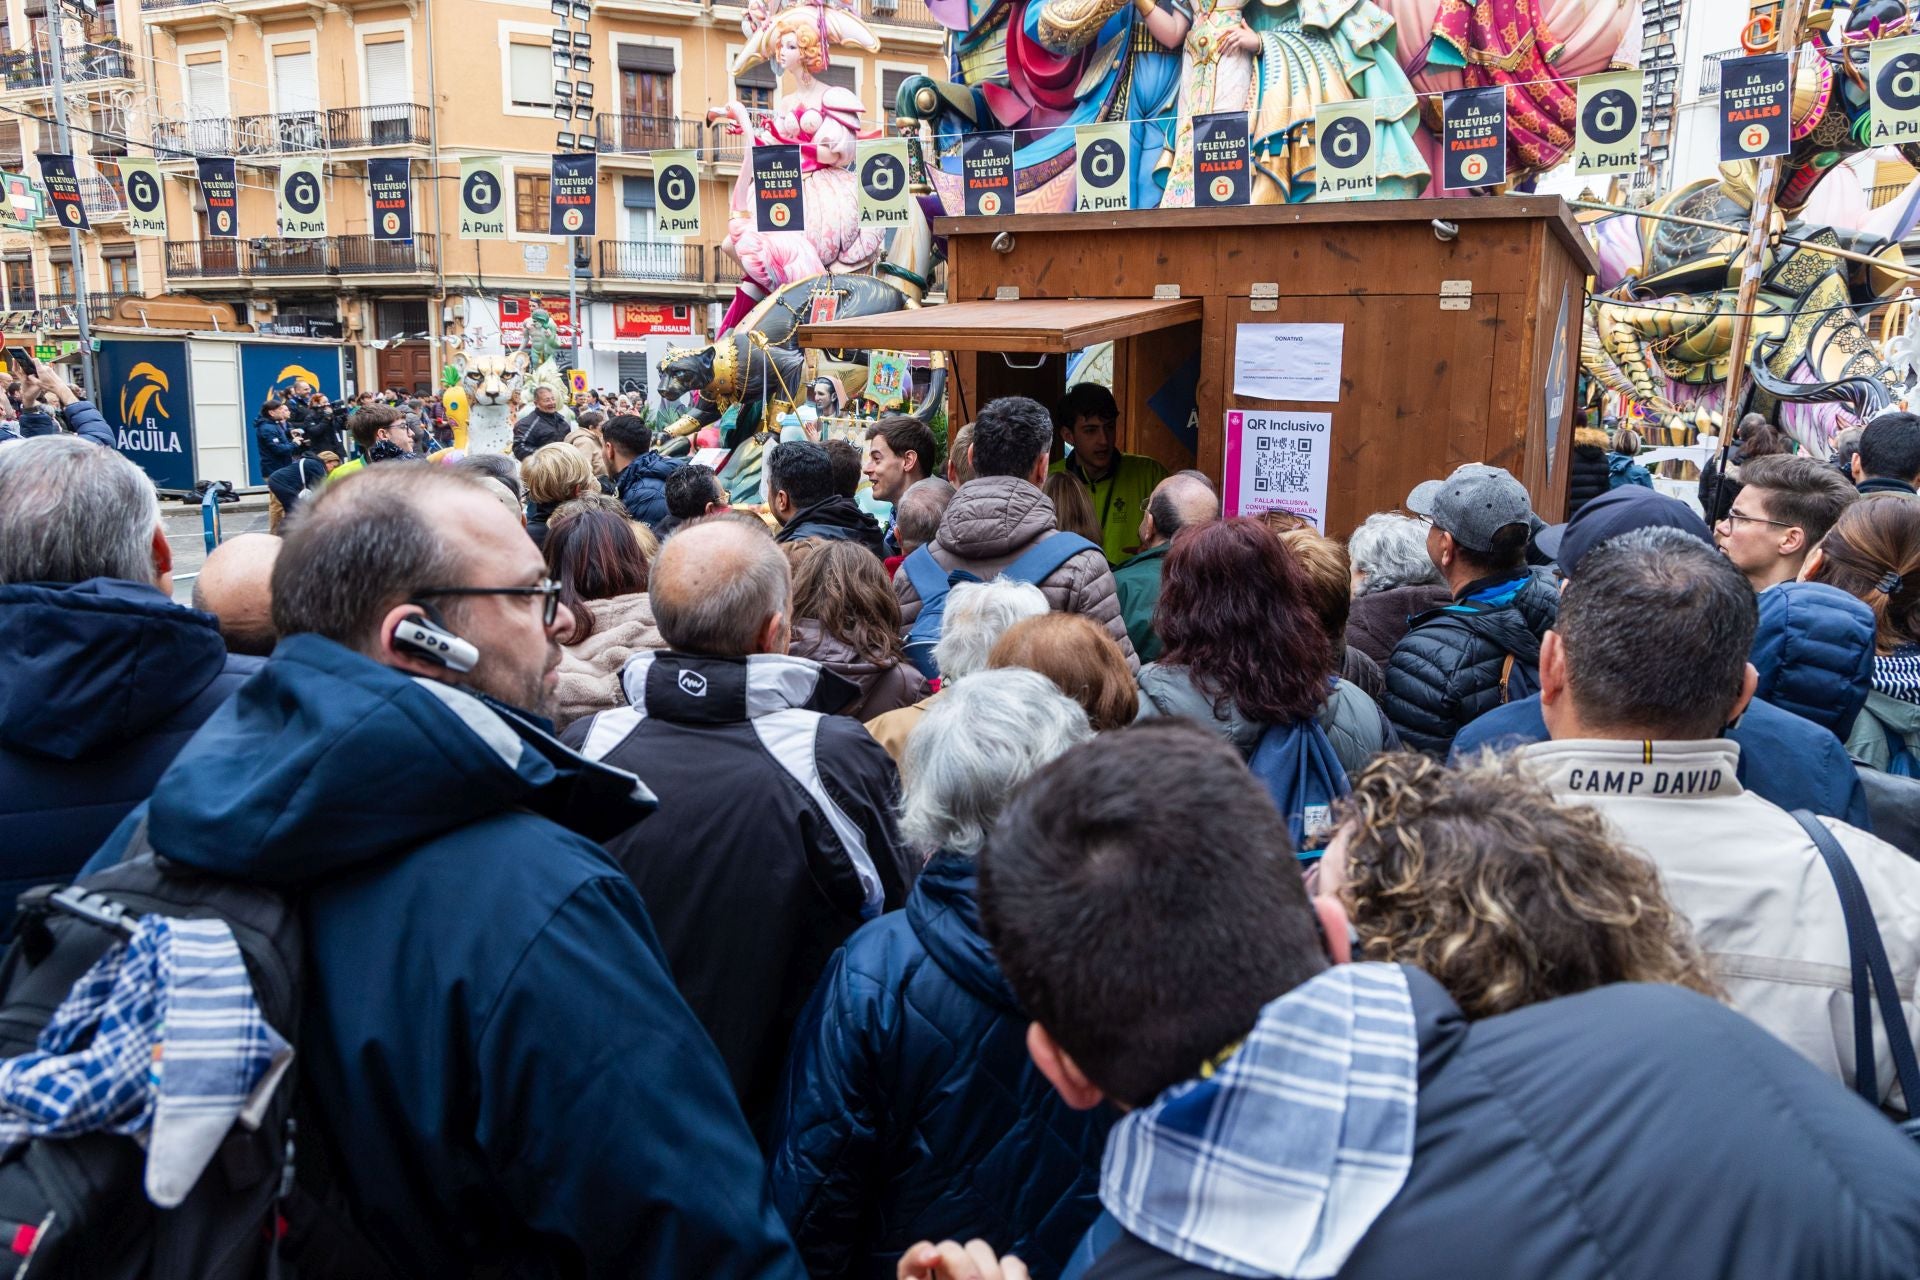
(1457, 322)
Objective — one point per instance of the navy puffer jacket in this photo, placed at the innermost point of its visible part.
(1813, 649)
(911, 1110)
(1446, 671)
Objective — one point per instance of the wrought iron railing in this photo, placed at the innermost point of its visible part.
(622, 133)
(652, 260)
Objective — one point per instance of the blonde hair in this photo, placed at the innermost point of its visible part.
(1072, 506)
(804, 26)
(1508, 898)
(556, 473)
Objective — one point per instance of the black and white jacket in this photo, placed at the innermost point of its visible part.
(774, 840)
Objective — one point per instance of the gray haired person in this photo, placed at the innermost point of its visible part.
(977, 615)
(1393, 579)
(883, 1110)
(921, 509)
(106, 677)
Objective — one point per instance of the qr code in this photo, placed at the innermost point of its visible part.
(1281, 465)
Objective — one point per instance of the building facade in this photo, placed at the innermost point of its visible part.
(432, 81)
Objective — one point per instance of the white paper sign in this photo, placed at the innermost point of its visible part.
(1288, 361)
(1278, 461)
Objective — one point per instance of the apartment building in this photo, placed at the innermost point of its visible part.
(432, 81)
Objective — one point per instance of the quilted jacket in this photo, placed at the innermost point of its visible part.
(1379, 619)
(1588, 475)
(991, 520)
(1813, 649)
(911, 1111)
(1446, 671)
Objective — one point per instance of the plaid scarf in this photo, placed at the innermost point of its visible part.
(177, 1042)
(1898, 674)
(1276, 1163)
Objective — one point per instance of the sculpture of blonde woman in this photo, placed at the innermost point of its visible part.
(825, 122)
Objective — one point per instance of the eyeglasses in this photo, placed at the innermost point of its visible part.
(546, 587)
(1733, 518)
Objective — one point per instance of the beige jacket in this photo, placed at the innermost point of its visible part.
(590, 670)
(991, 520)
(892, 729)
(1761, 900)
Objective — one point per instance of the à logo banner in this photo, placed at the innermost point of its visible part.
(483, 203)
(1102, 180)
(986, 169)
(303, 206)
(571, 194)
(390, 183)
(1346, 155)
(1220, 175)
(882, 167)
(1607, 124)
(676, 192)
(1473, 138)
(146, 197)
(63, 188)
(220, 190)
(1893, 72)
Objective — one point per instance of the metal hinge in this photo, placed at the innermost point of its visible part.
(1456, 295)
(1265, 297)
(1165, 292)
(1006, 293)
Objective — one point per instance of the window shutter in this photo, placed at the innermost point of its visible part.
(841, 75)
(295, 88)
(387, 73)
(638, 193)
(532, 69)
(646, 57)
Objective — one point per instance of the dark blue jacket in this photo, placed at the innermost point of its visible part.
(275, 445)
(1783, 758)
(505, 1071)
(642, 486)
(103, 682)
(1633, 1132)
(81, 417)
(911, 1111)
(1624, 470)
(1813, 649)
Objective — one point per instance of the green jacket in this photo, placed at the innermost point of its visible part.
(1119, 500)
(1138, 584)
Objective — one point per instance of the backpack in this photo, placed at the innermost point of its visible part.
(1304, 777)
(1034, 565)
(76, 1206)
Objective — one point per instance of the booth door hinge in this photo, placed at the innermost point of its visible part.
(1166, 292)
(1264, 297)
(1006, 293)
(1456, 295)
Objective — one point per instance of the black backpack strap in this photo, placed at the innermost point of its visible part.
(1868, 957)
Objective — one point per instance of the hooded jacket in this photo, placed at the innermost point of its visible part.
(1379, 618)
(773, 841)
(991, 520)
(81, 418)
(507, 1077)
(883, 687)
(1353, 723)
(837, 517)
(274, 444)
(1588, 475)
(1747, 877)
(590, 670)
(1622, 469)
(642, 486)
(1447, 670)
(1892, 711)
(911, 1110)
(1633, 1132)
(105, 680)
(1813, 649)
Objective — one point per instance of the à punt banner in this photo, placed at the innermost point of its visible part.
(571, 190)
(1220, 175)
(220, 190)
(777, 203)
(391, 184)
(1607, 124)
(483, 209)
(1102, 183)
(676, 192)
(1894, 73)
(146, 198)
(1754, 96)
(1473, 138)
(986, 170)
(63, 189)
(303, 208)
(1346, 158)
(884, 195)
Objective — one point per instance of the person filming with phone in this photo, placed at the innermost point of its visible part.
(37, 382)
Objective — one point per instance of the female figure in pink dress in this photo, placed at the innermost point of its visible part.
(825, 122)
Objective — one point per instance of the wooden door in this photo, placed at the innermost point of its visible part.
(1415, 395)
(408, 368)
(646, 105)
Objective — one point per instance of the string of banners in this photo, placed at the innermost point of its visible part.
(1755, 122)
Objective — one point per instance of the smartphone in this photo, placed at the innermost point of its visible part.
(23, 358)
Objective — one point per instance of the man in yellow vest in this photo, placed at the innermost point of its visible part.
(1088, 421)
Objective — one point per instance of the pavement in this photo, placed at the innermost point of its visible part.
(186, 535)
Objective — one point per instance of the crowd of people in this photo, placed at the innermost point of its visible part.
(1061, 877)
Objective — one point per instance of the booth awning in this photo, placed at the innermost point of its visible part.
(1053, 326)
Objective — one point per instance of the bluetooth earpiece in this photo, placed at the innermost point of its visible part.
(426, 639)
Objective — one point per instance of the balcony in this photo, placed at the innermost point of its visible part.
(726, 268)
(271, 257)
(81, 64)
(901, 13)
(99, 303)
(623, 134)
(293, 132)
(727, 147)
(652, 260)
(395, 124)
(102, 199)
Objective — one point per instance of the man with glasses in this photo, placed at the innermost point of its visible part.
(493, 1046)
(1785, 506)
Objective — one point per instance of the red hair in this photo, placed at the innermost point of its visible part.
(1236, 610)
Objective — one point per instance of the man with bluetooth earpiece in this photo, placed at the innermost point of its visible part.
(491, 1040)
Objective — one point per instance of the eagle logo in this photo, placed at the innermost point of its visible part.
(144, 384)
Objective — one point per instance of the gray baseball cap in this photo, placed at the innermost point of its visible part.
(1472, 504)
